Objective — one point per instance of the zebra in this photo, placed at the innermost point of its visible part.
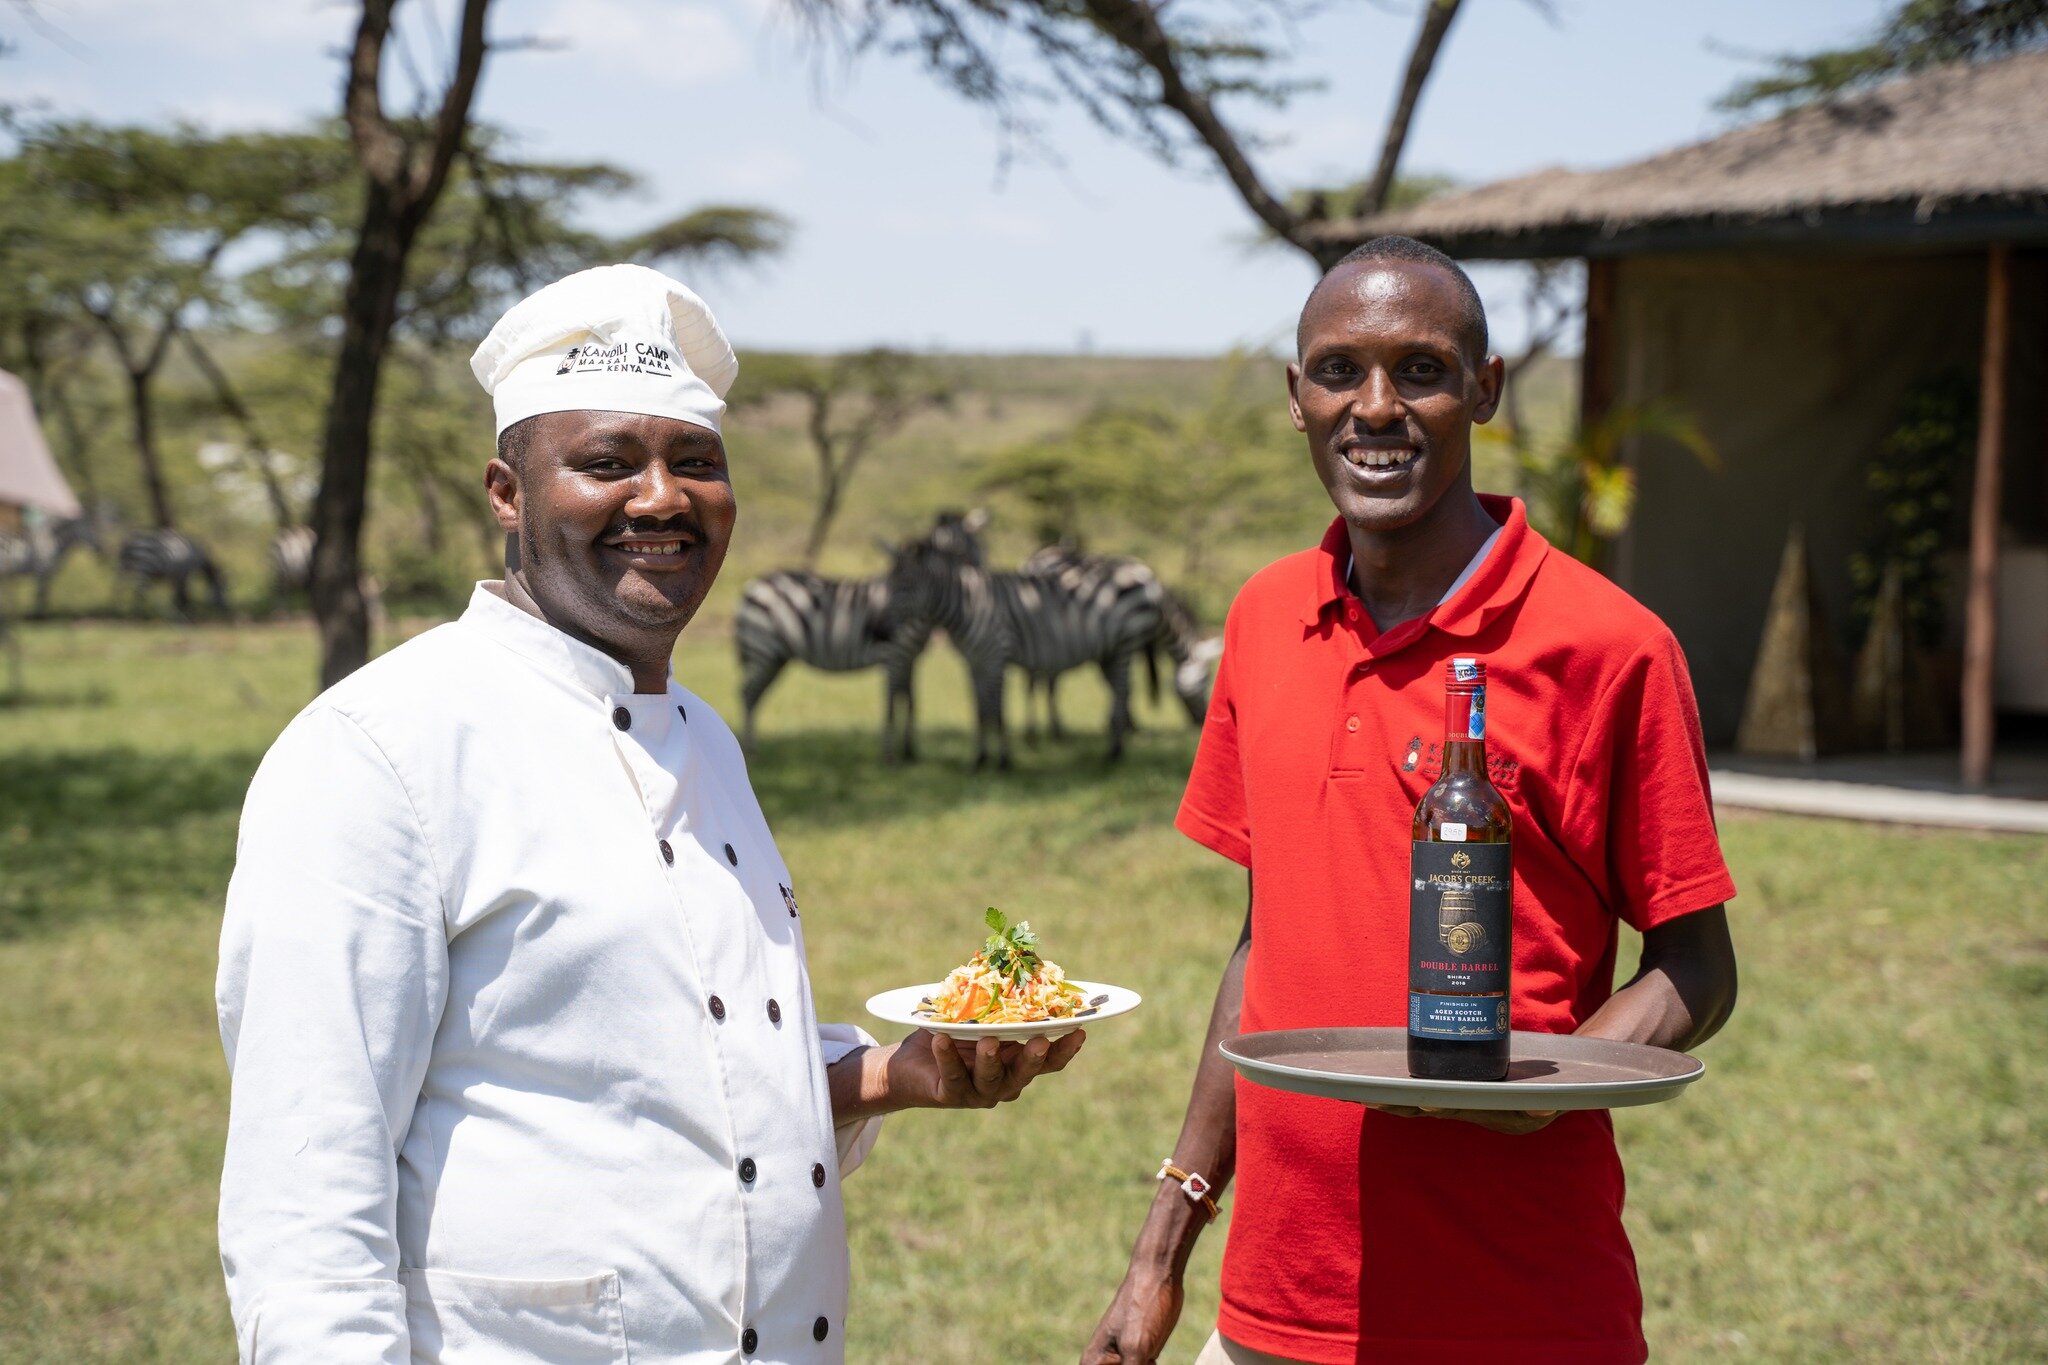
(1043, 623)
(1179, 637)
(841, 626)
(160, 556)
(39, 551)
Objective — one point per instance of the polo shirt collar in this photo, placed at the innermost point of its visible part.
(560, 656)
(1496, 585)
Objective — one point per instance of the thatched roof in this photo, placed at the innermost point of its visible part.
(1956, 154)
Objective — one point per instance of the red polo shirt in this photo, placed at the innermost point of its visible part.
(1357, 1236)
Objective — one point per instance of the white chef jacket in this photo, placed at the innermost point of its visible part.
(524, 1059)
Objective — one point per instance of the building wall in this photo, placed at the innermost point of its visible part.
(1794, 364)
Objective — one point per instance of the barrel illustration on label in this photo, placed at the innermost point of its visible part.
(1461, 893)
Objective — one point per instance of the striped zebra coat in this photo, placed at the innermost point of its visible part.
(157, 556)
(1179, 637)
(837, 625)
(39, 552)
(1043, 623)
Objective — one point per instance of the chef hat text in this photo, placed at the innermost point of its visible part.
(618, 338)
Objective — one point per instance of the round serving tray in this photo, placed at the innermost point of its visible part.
(1545, 1070)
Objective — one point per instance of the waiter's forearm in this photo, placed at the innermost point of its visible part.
(1683, 991)
(1208, 1135)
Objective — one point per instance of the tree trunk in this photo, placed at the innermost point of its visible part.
(369, 309)
(821, 520)
(144, 417)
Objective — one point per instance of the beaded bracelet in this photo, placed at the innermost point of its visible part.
(1192, 1184)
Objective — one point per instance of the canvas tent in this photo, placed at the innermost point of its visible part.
(1785, 284)
(29, 477)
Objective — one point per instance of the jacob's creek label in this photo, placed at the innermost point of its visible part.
(1459, 926)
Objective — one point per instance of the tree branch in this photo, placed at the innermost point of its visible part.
(1135, 25)
(378, 146)
(452, 122)
(252, 435)
(1436, 23)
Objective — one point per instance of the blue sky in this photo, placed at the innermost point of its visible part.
(905, 232)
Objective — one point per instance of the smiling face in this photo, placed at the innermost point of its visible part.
(1387, 389)
(623, 521)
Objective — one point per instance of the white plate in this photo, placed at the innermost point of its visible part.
(899, 1006)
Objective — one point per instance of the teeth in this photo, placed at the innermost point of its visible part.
(1379, 459)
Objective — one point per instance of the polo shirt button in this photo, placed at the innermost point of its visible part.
(747, 1169)
(1351, 724)
(731, 856)
(668, 855)
(1351, 611)
(820, 1330)
(818, 1175)
(749, 1340)
(717, 1008)
(622, 719)
(774, 1013)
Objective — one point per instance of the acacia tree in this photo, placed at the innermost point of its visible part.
(404, 166)
(1918, 34)
(1146, 70)
(124, 230)
(412, 271)
(851, 402)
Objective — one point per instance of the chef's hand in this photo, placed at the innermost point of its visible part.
(1512, 1121)
(930, 1071)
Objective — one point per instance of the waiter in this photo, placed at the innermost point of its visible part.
(512, 981)
(1404, 1235)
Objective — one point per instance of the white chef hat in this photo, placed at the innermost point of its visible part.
(620, 338)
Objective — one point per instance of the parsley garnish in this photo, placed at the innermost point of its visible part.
(1011, 952)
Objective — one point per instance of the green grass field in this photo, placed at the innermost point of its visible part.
(1863, 1176)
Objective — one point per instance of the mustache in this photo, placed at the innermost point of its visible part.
(681, 523)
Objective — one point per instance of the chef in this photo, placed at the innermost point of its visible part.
(512, 985)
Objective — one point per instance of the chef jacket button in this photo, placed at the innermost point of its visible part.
(818, 1175)
(747, 1169)
(668, 854)
(1352, 724)
(717, 1008)
(774, 1013)
(622, 719)
(749, 1340)
(820, 1330)
(731, 856)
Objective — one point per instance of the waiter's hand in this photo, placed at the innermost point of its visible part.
(928, 1070)
(1511, 1121)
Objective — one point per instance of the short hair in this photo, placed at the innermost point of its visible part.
(1392, 248)
(513, 442)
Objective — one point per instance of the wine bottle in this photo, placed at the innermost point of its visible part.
(1460, 902)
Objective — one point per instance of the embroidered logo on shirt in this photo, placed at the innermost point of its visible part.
(1428, 759)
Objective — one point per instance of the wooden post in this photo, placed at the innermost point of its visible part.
(1980, 605)
(1596, 358)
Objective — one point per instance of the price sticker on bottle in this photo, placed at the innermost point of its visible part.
(1451, 832)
